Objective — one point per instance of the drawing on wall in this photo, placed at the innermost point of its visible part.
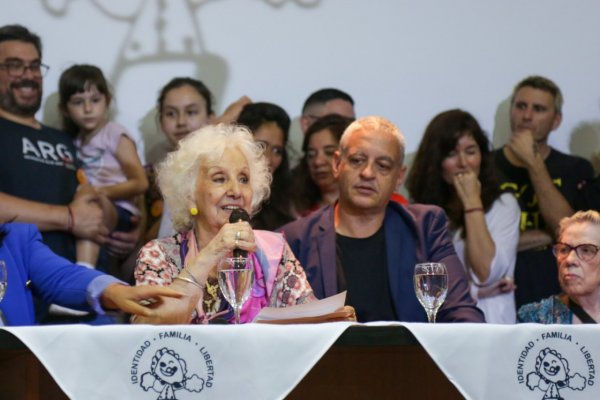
(163, 35)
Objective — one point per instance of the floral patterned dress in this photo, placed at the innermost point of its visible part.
(280, 280)
(552, 310)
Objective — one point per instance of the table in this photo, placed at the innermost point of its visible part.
(376, 363)
(364, 363)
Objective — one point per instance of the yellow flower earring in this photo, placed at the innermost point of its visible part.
(194, 211)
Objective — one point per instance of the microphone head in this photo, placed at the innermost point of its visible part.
(237, 215)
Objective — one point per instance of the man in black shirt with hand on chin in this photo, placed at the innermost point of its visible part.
(543, 180)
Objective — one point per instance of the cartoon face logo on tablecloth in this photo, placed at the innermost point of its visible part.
(168, 374)
(552, 374)
(173, 364)
(556, 363)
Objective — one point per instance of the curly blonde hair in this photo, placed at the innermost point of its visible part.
(178, 173)
(590, 216)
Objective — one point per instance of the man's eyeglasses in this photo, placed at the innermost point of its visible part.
(585, 251)
(16, 69)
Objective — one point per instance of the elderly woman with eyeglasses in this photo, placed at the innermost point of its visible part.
(578, 273)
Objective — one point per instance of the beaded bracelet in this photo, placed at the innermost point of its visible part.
(470, 210)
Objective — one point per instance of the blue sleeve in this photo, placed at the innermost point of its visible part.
(55, 279)
(97, 287)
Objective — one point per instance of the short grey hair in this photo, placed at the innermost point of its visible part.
(178, 173)
(544, 84)
(374, 125)
(589, 216)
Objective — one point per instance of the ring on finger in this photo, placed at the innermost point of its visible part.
(238, 235)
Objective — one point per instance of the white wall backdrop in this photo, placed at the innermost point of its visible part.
(406, 60)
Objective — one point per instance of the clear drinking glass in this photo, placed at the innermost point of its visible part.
(3, 283)
(3, 279)
(236, 276)
(431, 287)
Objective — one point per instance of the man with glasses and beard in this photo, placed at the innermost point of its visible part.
(37, 163)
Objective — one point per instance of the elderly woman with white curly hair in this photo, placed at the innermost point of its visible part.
(215, 170)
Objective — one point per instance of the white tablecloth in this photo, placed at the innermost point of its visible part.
(525, 361)
(253, 361)
(258, 361)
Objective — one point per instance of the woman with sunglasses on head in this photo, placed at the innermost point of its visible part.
(578, 274)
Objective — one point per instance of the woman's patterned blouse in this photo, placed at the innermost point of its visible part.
(159, 262)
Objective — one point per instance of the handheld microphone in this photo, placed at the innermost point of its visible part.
(237, 215)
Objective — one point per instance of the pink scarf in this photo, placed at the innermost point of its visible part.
(259, 295)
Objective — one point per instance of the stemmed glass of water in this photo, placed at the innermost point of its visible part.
(236, 276)
(3, 277)
(3, 283)
(431, 287)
